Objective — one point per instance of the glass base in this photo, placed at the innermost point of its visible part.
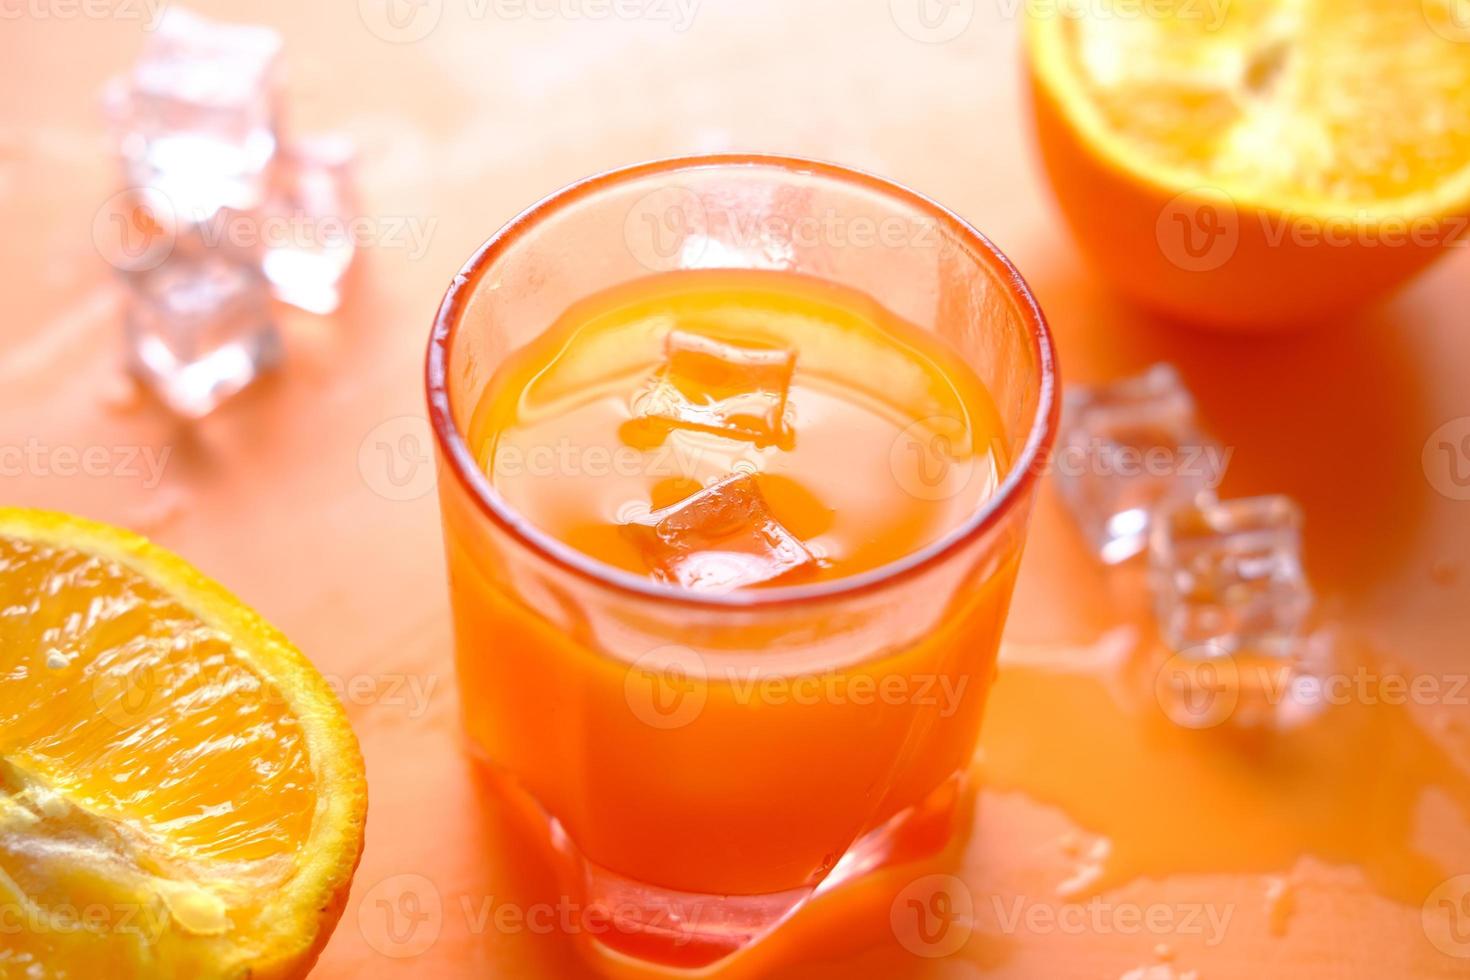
(624, 919)
(673, 929)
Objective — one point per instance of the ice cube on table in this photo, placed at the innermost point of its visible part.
(718, 539)
(1227, 576)
(198, 114)
(1127, 449)
(312, 204)
(717, 386)
(199, 329)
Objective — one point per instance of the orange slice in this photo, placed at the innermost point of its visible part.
(1255, 162)
(180, 792)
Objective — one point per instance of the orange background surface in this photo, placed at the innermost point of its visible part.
(311, 496)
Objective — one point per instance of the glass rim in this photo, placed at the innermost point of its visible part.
(474, 482)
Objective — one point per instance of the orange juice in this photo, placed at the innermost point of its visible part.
(730, 549)
(890, 442)
(885, 440)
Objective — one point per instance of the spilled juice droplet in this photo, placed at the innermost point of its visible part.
(1345, 786)
(1280, 904)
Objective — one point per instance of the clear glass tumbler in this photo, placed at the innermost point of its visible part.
(697, 818)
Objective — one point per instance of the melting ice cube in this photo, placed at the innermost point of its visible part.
(199, 329)
(1127, 449)
(733, 389)
(719, 539)
(312, 247)
(198, 113)
(1227, 576)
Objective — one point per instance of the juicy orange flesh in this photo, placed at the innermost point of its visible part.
(144, 764)
(1297, 100)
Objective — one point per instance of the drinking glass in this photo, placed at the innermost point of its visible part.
(706, 762)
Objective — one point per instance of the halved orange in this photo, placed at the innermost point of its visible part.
(1255, 163)
(180, 792)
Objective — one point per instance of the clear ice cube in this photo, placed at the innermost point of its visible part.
(719, 539)
(311, 246)
(199, 329)
(1227, 576)
(716, 386)
(198, 113)
(1127, 449)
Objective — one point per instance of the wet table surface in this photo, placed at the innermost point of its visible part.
(311, 496)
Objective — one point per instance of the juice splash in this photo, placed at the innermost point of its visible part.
(1348, 787)
(1234, 838)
